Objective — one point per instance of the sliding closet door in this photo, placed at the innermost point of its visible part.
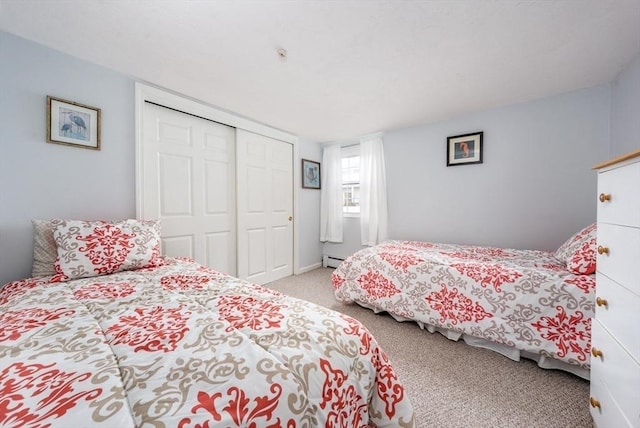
(265, 207)
(188, 182)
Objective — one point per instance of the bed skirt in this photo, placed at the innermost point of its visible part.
(510, 352)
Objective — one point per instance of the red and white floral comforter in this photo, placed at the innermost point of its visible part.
(184, 346)
(520, 298)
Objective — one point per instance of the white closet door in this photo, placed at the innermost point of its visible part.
(265, 207)
(188, 170)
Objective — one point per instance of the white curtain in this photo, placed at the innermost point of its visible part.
(373, 192)
(331, 195)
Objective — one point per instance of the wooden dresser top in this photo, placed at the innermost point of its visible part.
(621, 158)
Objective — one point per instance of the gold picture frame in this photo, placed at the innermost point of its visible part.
(73, 124)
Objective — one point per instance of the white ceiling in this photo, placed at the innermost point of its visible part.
(354, 67)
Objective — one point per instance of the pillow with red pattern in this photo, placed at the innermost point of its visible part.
(93, 248)
(579, 251)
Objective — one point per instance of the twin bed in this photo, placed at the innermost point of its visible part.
(111, 334)
(521, 303)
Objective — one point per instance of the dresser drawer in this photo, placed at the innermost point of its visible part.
(622, 256)
(618, 310)
(617, 371)
(621, 184)
(608, 414)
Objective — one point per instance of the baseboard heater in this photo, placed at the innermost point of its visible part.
(331, 261)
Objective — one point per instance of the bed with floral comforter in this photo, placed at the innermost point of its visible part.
(180, 345)
(517, 302)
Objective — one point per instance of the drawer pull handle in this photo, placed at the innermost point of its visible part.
(601, 302)
(603, 250)
(604, 197)
(596, 352)
(594, 403)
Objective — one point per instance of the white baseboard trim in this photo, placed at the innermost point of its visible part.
(331, 261)
(308, 268)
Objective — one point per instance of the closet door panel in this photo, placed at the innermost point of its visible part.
(189, 180)
(265, 207)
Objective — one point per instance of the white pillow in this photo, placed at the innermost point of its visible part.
(93, 248)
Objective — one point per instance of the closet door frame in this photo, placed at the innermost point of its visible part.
(145, 93)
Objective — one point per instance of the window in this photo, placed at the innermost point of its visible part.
(351, 180)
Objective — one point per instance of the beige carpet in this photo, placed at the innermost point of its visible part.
(452, 384)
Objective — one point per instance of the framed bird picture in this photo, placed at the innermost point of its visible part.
(310, 174)
(73, 124)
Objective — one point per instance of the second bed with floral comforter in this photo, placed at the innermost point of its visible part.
(523, 299)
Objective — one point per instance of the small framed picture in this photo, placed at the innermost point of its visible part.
(464, 149)
(73, 124)
(310, 174)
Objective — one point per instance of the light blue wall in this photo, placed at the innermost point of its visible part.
(309, 245)
(42, 180)
(625, 110)
(534, 189)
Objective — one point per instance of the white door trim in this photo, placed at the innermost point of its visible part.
(145, 93)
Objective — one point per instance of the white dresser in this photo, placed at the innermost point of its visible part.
(615, 330)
